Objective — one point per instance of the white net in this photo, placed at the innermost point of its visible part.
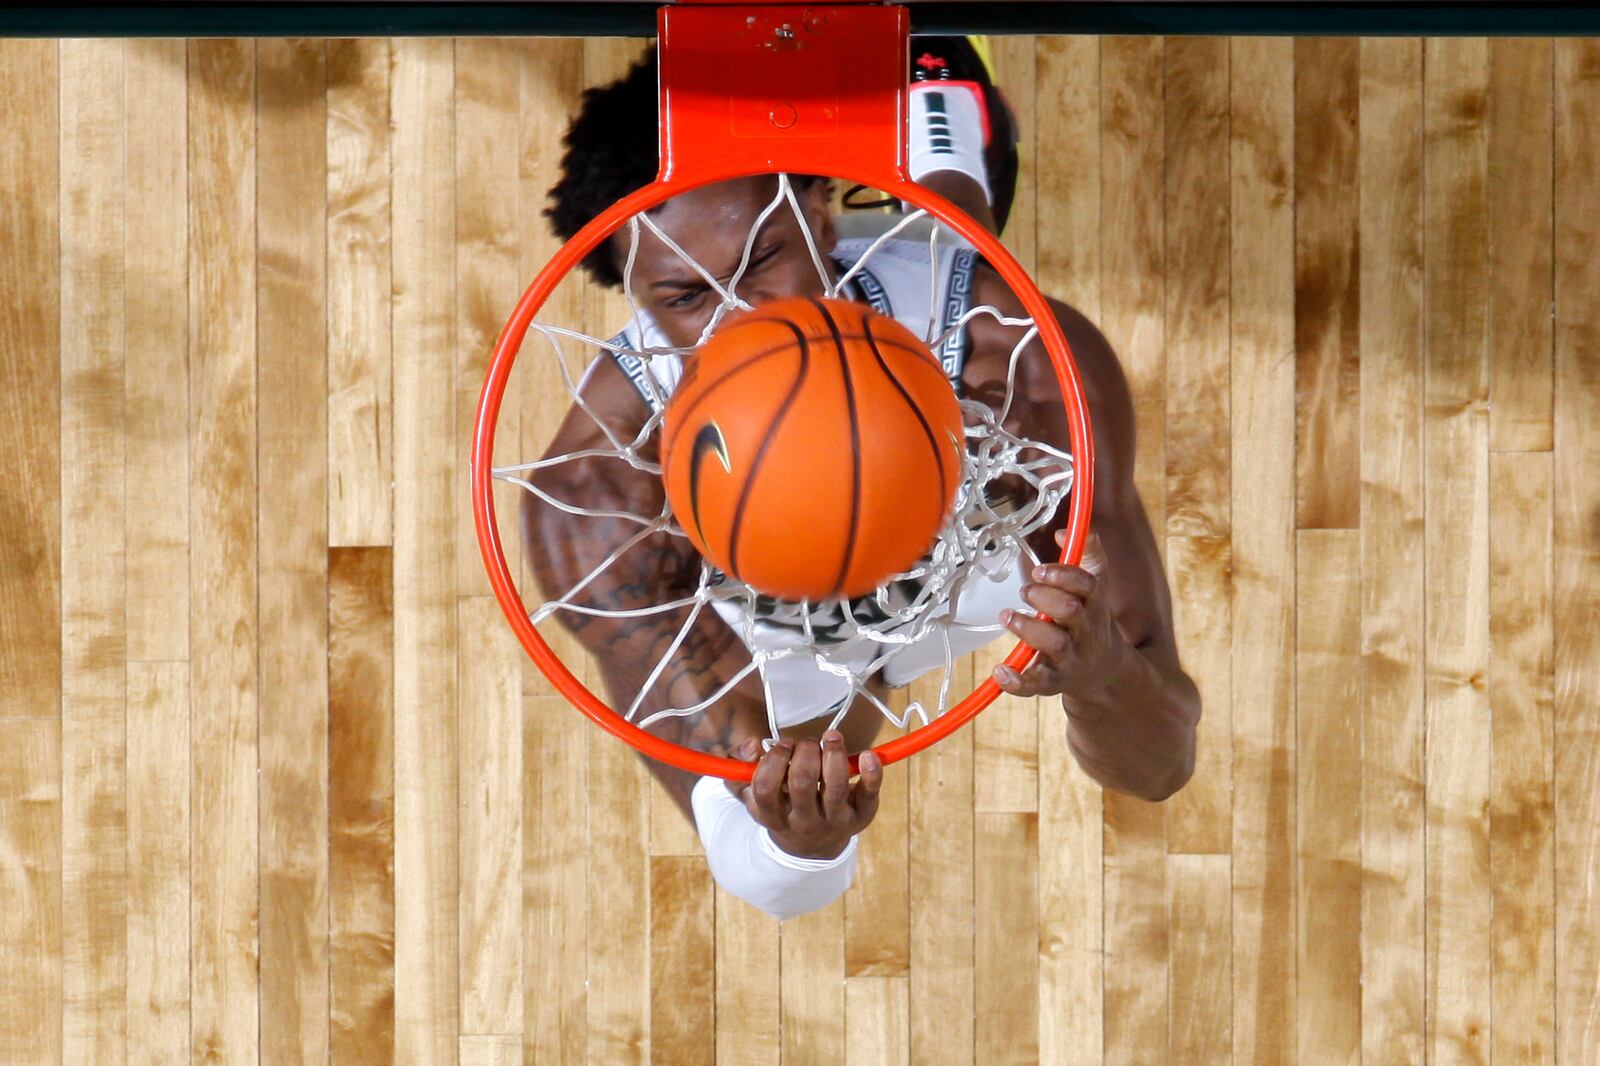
(921, 620)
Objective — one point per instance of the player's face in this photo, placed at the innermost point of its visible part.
(712, 224)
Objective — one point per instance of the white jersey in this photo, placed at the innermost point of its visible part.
(898, 284)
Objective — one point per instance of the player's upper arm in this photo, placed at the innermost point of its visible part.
(566, 550)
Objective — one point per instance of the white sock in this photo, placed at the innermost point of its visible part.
(949, 125)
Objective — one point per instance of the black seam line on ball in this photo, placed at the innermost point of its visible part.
(855, 447)
(927, 430)
(804, 347)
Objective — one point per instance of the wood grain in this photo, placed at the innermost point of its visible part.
(490, 819)
(361, 804)
(1261, 729)
(292, 453)
(158, 850)
(1006, 943)
(93, 627)
(1327, 282)
(1575, 503)
(877, 909)
(427, 884)
(1393, 719)
(1132, 264)
(811, 1004)
(1522, 812)
(1456, 544)
(683, 960)
(224, 664)
(155, 336)
(360, 349)
(30, 869)
(876, 1021)
(940, 836)
(1520, 212)
(1200, 909)
(1328, 779)
(1196, 304)
(30, 380)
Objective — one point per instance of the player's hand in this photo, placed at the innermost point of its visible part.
(1080, 646)
(803, 795)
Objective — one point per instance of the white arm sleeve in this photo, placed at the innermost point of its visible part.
(745, 861)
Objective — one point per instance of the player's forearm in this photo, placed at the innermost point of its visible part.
(1136, 733)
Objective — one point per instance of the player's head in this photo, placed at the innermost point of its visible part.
(611, 151)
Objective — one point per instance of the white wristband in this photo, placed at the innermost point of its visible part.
(947, 131)
(746, 861)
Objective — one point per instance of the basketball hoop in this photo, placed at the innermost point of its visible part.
(818, 90)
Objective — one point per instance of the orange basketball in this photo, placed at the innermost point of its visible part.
(812, 448)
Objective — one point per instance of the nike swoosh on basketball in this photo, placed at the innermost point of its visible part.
(709, 439)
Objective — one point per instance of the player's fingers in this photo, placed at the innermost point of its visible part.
(1048, 637)
(1071, 579)
(1064, 608)
(1025, 684)
(765, 797)
(805, 770)
(864, 796)
(835, 779)
(745, 752)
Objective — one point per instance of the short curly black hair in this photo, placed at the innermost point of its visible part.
(612, 149)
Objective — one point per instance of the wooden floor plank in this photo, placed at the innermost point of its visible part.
(748, 989)
(1577, 551)
(1522, 815)
(1393, 709)
(1520, 204)
(292, 452)
(1068, 112)
(487, 283)
(1261, 729)
(360, 353)
(1196, 304)
(1132, 266)
(1327, 285)
(619, 906)
(811, 1003)
(1006, 948)
(1327, 779)
(1199, 887)
(30, 380)
(93, 620)
(683, 957)
(940, 873)
(1456, 548)
(1200, 817)
(155, 306)
(158, 852)
(223, 681)
(876, 1019)
(361, 804)
(30, 870)
(490, 730)
(877, 914)
(427, 468)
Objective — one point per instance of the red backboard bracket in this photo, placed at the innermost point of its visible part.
(806, 89)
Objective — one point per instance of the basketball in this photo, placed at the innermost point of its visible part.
(812, 448)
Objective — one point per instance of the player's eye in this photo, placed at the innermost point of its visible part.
(762, 257)
(686, 299)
